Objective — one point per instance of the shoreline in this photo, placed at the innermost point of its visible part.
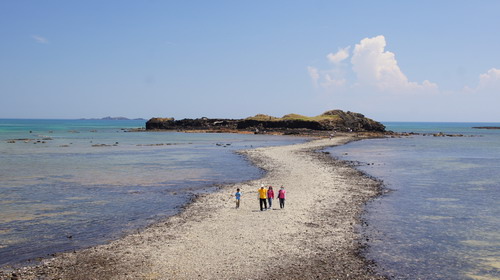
(315, 236)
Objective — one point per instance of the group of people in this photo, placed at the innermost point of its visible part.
(265, 196)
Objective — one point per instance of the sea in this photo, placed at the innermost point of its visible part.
(439, 217)
(71, 184)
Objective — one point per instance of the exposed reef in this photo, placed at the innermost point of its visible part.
(330, 121)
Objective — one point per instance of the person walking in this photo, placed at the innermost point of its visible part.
(238, 198)
(281, 197)
(263, 198)
(270, 196)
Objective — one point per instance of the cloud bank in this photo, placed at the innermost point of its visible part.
(373, 68)
(368, 79)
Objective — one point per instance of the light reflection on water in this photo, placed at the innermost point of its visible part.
(66, 193)
(442, 219)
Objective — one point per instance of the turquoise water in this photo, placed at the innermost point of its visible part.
(68, 184)
(441, 217)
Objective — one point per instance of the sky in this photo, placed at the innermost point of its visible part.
(389, 60)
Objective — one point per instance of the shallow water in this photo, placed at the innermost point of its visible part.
(68, 184)
(441, 219)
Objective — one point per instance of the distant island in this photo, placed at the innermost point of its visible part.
(487, 127)
(326, 123)
(115, 119)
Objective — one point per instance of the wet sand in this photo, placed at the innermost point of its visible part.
(314, 237)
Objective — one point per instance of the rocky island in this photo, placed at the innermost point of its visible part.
(487, 127)
(328, 122)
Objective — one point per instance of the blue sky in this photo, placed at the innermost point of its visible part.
(390, 60)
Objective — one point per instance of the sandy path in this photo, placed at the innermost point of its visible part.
(314, 237)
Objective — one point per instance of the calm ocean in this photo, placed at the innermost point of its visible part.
(69, 184)
(441, 217)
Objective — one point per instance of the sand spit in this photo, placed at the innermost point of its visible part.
(314, 237)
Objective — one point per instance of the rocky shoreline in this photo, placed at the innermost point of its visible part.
(315, 237)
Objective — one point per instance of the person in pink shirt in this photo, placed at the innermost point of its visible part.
(270, 196)
(281, 196)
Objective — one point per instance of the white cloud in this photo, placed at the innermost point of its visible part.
(40, 39)
(489, 83)
(376, 67)
(373, 67)
(331, 78)
(339, 56)
(490, 80)
(331, 81)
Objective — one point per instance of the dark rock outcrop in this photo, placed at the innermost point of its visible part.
(190, 124)
(280, 124)
(354, 121)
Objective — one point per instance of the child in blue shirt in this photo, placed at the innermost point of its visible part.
(238, 198)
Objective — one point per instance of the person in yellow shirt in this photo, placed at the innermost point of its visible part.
(263, 198)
